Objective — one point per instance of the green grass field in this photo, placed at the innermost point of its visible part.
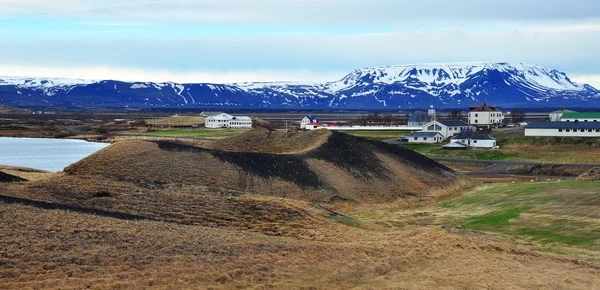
(518, 147)
(194, 133)
(555, 216)
(436, 150)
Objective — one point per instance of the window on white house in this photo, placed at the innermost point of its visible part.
(560, 130)
(416, 138)
(424, 138)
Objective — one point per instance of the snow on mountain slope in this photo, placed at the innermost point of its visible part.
(42, 82)
(447, 85)
(433, 76)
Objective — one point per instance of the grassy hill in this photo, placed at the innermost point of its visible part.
(314, 166)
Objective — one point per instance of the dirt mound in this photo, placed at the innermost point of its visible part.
(5, 177)
(339, 167)
(592, 175)
(264, 141)
(548, 170)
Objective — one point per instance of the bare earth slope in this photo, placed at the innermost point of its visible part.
(320, 166)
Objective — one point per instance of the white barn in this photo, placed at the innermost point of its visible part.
(448, 128)
(563, 129)
(423, 137)
(474, 140)
(224, 120)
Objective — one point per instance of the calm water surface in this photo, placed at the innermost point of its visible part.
(46, 154)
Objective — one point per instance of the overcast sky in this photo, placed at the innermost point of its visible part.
(303, 40)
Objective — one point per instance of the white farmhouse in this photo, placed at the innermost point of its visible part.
(224, 120)
(308, 120)
(580, 117)
(447, 128)
(485, 116)
(563, 129)
(474, 140)
(240, 122)
(423, 137)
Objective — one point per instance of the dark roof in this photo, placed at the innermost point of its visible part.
(472, 136)
(454, 123)
(423, 134)
(484, 108)
(419, 117)
(563, 125)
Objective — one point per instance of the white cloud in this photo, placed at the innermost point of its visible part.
(132, 74)
(310, 11)
(593, 80)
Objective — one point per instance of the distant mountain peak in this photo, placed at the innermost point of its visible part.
(444, 85)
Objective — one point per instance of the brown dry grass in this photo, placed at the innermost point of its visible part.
(65, 250)
(555, 153)
(261, 140)
(26, 173)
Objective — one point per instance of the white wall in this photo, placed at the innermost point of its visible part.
(579, 120)
(476, 143)
(485, 118)
(430, 140)
(555, 133)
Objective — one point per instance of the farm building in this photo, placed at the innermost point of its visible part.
(473, 140)
(580, 117)
(563, 129)
(224, 120)
(423, 137)
(447, 128)
(314, 126)
(308, 120)
(556, 115)
(485, 116)
(419, 119)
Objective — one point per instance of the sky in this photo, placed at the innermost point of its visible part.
(224, 41)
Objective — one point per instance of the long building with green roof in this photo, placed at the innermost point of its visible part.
(580, 117)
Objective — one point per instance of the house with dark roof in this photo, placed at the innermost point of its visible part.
(419, 119)
(485, 116)
(447, 128)
(563, 129)
(423, 137)
(474, 140)
(308, 120)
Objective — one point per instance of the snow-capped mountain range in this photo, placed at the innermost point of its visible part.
(391, 87)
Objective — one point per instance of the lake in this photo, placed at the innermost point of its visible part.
(46, 154)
